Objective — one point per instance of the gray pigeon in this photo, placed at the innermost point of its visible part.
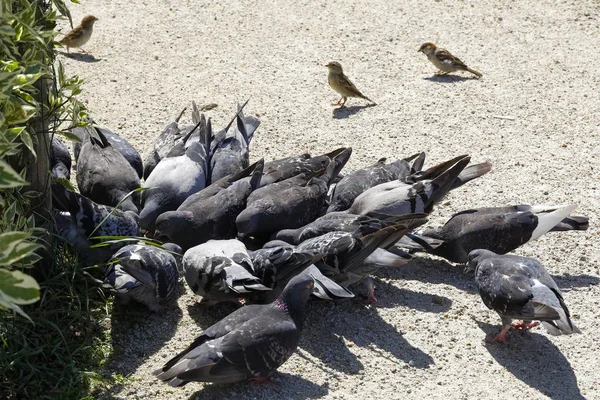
(229, 151)
(123, 146)
(520, 288)
(103, 174)
(172, 181)
(60, 159)
(210, 213)
(250, 343)
(500, 229)
(288, 204)
(284, 168)
(144, 273)
(399, 197)
(355, 183)
(163, 145)
(221, 270)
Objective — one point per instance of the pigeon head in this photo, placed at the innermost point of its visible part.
(475, 257)
(247, 222)
(177, 253)
(129, 205)
(170, 223)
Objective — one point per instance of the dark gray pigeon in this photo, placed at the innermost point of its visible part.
(221, 270)
(210, 213)
(172, 181)
(86, 219)
(500, 229)
(520, 288)
(288, 204)
(282, 169)
(355, 183)
(250, 343)
(342, 222)
(60, 159)
(401, 197)
(144, 273)
(103, 174)
(123, 146)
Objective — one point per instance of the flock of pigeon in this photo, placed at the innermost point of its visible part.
(273, 233)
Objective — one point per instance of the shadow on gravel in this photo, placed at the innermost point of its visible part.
(575, 281)
(83, 57)
(433, 271)
(536, 361)
(390, 296)
(138, 333)
(283, 386)
(449, 78)
(327, 325)
(345, 112)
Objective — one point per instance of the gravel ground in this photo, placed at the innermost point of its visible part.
(423, 339)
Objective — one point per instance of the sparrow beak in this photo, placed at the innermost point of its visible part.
(420, 51)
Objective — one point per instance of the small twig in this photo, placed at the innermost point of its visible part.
(505, 117)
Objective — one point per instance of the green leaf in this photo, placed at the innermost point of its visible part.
(17, 288)
(14, 246)
(26, 139)
(9, 178)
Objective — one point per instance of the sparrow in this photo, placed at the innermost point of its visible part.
(444, 60)
(81, 34)
(341, 84)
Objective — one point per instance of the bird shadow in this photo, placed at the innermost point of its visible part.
(138, 333)
(280, 387)
(573, 281)
(448, 78)
(360, 326)
(83, 57)
(390, 296)
(536, 361)
(345, 112)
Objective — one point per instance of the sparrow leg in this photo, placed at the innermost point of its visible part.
(82, 50)
(501, 337)
(344, 98)
(338, 102)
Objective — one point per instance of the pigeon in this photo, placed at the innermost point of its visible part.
(123, 146)
(341, 221)
(144, 273)
(355, 183)
(229, 153)
(85, 219)
(104, 175)
(520, 288)
(210, 213)
(399, 197)
(164, 143)
(172, 181)
(220, 270)
(60, 159)
(250, 343)
(500, 229)
(284, 168)
(288, 204)
(345, 252)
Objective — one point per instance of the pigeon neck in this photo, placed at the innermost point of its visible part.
(296, 312)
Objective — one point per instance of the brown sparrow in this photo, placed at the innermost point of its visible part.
(444, 60)
(341, 84)
(81, 34)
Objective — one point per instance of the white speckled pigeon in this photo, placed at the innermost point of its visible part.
(171, 182)
(221, 270)
(520, 288)
(399, 197)
(250, 343)
(500, 229)
(210, 213)
(144, 273)
(103, 174)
